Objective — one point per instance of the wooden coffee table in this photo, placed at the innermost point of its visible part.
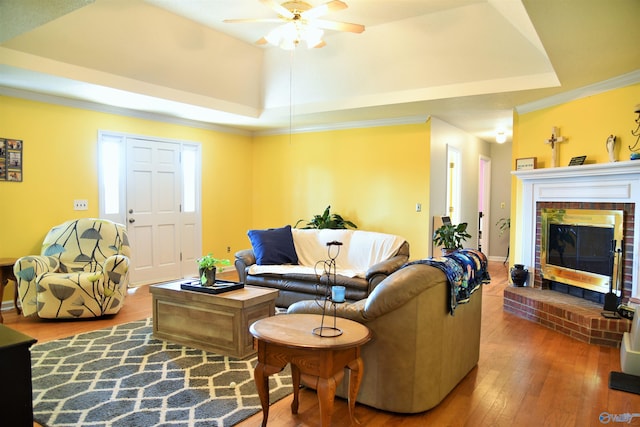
(218, 323)
(318, 361)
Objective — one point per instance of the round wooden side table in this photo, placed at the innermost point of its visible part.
(317, 361)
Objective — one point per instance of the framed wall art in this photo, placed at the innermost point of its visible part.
(11, 160)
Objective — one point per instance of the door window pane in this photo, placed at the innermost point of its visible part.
(189, 172)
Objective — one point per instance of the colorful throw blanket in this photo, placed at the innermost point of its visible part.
(466, 270)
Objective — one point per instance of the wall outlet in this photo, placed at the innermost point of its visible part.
(80, 205)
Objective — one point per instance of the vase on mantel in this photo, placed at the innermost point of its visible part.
(519, 274)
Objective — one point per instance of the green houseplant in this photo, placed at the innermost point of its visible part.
(327, 220)
(451, 236)
(503, 224)
(207, 268)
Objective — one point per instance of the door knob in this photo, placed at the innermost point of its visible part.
(131, 220)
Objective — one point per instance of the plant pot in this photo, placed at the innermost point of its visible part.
(210, 275)
(519, 275)
(446, 251)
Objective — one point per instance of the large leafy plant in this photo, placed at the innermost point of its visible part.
(451, 236)
(327, 220)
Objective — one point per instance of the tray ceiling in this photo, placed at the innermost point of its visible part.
(467, 62)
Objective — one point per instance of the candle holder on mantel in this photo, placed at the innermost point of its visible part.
(331, 294)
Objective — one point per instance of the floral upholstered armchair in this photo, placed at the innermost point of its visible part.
(82, 271)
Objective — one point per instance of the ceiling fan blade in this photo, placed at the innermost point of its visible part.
(323, 9)
(337, 26)
(250, 21)
(278, 8)
(319, 45)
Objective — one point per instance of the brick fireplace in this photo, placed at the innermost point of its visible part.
(596, 186)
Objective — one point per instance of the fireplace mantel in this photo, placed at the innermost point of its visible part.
(617, 182)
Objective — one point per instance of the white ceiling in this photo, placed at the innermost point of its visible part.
(467, 62)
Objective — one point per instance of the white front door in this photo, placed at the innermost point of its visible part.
(153, 210)
(153, 186)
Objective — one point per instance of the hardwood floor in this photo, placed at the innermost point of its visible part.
(527, 375)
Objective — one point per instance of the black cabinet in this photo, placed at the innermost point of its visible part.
(15, 370)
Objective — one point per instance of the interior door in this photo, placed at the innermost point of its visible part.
(153, 210)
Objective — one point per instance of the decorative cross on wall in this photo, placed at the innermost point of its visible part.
(555, 138)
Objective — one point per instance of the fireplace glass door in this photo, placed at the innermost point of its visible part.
(582, 247)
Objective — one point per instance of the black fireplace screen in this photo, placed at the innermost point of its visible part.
(583, 248)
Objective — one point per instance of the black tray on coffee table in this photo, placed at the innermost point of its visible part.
(219, 287)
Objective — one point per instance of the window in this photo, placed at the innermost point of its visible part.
(454, 188)
(111, 179)
(189, 178)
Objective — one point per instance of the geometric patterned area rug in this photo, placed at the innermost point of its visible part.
(122, 376)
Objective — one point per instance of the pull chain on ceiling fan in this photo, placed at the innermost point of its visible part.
(301, 23)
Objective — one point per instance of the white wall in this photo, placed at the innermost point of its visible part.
(501, 167)
(470, 147)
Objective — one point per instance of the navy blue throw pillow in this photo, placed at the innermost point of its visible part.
(273, 246)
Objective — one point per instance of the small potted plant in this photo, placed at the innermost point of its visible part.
(207, 268)
(450, 236)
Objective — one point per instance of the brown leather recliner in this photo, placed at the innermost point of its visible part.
(419, 351)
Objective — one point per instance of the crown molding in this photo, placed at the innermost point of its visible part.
(397, 121)
(103, 108)
(583, 92)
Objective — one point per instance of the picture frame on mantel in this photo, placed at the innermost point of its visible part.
(526, 163)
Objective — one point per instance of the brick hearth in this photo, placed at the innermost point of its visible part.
(569, 315)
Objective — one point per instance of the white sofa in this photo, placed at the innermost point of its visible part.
(292, 261)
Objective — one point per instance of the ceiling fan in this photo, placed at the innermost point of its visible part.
(300, 23)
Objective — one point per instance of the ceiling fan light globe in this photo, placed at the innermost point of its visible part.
(288, 44)
(280, 35)
(312, 36)
(274, 36)
(289, 31)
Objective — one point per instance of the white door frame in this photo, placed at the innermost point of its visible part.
(113, 193)
(484, 202)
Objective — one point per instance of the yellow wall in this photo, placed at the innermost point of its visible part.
(372, 176)
(60, 163)
(586, 123)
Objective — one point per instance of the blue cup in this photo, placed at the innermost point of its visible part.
(337, 293)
